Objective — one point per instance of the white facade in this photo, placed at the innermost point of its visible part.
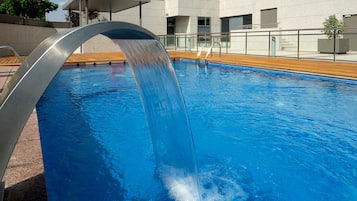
(186, 12)
(240, 16)
(298, 14)
(153, 16)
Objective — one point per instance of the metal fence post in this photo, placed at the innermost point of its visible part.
(334, 44)
(197, 39)
(185, 42)
(246, 43)
(269, 45)
(273, 46)
(227, 36)
(165, 38)
(298, 44)
(175, 42)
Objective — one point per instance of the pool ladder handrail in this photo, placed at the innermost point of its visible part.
(209, 51)
(17, 55)
(199, 52)
(11, 72)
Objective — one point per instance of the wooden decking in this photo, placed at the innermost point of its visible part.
(10, 61)
(100, 57)
(325, 68)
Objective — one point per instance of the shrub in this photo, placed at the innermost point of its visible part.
(333, 26)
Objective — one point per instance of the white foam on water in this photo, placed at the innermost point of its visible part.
(213, 187)
(181, 187)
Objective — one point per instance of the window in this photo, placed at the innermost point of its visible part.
(203, 28)
(235, 23)
(204, 25)
(247, 21)
(225, 25)
(225, 29)
(201, 21)
(268, 18)
(171, 24)
(229, 24)
(171, 29)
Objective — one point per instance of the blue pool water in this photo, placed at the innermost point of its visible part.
(259, 135)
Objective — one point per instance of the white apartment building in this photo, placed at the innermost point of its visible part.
(194, 16)
(175, 17)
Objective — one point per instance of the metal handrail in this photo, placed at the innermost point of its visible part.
(252, 31)
(24, 62)
(220, 48)
(210, 50)
(200, 52)
(14, 52)
(295, 43)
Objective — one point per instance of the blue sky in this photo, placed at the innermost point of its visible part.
(59, 15)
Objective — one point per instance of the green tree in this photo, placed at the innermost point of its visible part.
(28, 8)
(333, 26)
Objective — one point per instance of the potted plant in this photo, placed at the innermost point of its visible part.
(333, 28)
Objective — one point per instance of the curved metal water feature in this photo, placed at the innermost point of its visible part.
(30, 81)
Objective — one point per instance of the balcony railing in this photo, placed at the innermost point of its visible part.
(296, 43)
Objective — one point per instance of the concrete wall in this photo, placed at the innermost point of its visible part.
(153, 19)
(153, 16)
(199, 8)
(182, 24)
(191, 10)
(23, 38)
(171, 8)
(8, 19)
(99, 43)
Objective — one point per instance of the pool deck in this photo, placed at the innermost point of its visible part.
(315, 67)
(346, 70)
(24, 179)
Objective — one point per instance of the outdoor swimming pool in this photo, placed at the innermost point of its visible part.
(259, 135)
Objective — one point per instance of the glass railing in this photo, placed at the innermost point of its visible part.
(294, 43)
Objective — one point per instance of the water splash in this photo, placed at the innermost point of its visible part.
(181, 186)
(221, 183)
(166, 117)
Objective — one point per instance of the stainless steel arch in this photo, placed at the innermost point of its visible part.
(32, 78)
